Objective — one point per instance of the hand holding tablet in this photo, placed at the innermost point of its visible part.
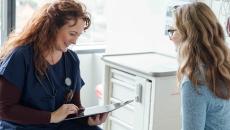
(96, 110)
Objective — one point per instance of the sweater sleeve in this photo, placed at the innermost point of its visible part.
(194, 104)
(77, 101)
(12, 110)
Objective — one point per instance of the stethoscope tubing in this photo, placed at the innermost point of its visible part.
(68, 81)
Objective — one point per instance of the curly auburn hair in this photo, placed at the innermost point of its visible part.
(42, 29)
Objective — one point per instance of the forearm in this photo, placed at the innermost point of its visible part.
(11, 110)
(24, 115)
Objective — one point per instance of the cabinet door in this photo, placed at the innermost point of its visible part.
(124, 86)
(142, 104)
(165, 104)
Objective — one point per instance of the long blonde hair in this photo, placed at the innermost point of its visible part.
(42, 29)
(203, 50)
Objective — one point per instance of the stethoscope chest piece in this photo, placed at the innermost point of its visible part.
(68, 81)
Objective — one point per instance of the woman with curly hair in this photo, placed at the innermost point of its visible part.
(40, 79)
(204, 67)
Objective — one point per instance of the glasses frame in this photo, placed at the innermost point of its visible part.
(171, 32)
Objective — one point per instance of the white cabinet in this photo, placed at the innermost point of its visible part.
(151, 78)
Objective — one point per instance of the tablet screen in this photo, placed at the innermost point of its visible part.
(90, 111)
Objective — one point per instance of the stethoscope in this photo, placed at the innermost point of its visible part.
(68, 83)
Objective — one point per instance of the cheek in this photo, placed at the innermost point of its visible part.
(176, 39)
(63, 38)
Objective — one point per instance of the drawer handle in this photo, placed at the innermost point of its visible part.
(139, 93)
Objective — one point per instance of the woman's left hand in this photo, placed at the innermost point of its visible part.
(97, 119)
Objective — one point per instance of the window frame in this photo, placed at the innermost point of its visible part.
(8, 18)
(8, 21)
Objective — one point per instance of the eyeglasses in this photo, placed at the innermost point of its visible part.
(171, 32)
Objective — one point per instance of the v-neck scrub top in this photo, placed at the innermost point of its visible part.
(18, 69)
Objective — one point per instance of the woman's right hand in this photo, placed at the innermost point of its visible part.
(62, 112)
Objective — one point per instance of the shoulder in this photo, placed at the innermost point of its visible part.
(18, 55)
(188, 89)
(14, 68)
(72, 56)
(23, 51)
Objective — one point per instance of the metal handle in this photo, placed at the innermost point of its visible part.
(139, 93)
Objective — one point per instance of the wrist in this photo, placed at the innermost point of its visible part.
(52, 117)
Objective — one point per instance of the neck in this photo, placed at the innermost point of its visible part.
(53, 57)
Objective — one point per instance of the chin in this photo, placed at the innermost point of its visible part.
(64, 50)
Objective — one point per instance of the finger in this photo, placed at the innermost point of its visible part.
(91, 120)
(72, 107)
(76, 107)
(71, 112)
(95, 119)
(104, 117)
(98, 119)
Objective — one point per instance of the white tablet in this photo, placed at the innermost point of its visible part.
(95, 110)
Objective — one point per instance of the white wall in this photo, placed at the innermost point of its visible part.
(133, 26)
(136, 26)
(92, 71)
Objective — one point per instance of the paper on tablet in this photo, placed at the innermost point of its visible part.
(90, 111)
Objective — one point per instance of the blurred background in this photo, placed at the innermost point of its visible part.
(118, 26)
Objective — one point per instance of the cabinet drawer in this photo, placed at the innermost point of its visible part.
(122, 91)
(125, 114)
(116, 124)
(123, 76)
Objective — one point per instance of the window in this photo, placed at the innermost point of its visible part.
(169, 15)
(94, 35)
(0, 22)
(221, 9)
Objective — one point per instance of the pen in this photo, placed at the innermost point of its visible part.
(69, 97)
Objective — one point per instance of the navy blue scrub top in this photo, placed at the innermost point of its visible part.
(19, 69)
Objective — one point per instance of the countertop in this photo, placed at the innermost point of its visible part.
(148, 63)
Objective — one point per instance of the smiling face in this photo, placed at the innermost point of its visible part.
(68, 34)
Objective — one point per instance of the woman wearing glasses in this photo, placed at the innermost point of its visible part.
(40, 79)
(204, 68)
